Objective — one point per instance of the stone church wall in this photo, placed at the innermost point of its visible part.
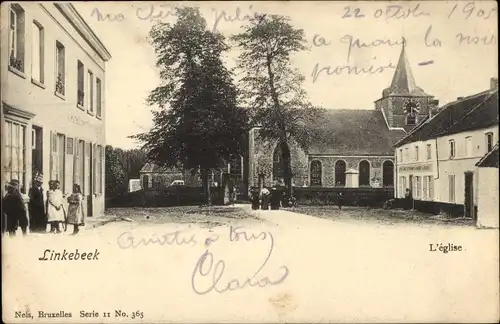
(352, 162)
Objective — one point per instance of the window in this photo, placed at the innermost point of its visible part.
(468, 146)
(489, 142)
(416, 153)
(316, 173)
(98, 97)
(429, 151)
(418, 187)
(388, 174)
(16, 37)
(81, 83)
(452, 148)
(364, 173)
(60, 68)
(451, 187)
(90, 92)
(424, 188)
(15, 152)
(400, 155)
(340, 167)
(37, 54)
(430, 188)
(406, 155)
(400, 187)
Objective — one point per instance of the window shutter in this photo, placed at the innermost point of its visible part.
(68, 167)
(53, 156)
(103, 158)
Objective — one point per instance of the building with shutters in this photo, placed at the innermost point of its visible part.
(438, 160)
(355, 147)
(53, 99)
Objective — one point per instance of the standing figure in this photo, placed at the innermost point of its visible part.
(275, 198)
(14, 209)
(264, 196)
(36, 206)
(254, 198)
(407, 204)
(55, 209)
(76, 214)
(340, 201)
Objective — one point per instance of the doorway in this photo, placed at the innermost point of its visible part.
(469, 195)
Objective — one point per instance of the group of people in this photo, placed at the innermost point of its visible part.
(36, 211)
(266, 197)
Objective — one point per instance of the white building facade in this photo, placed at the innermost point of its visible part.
(437, 160)
(53, 99)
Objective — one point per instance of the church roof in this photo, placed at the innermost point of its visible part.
(354, 132)
(451, 118)
(490, 160)
(403, 83)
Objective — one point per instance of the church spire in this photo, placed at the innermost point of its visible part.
(403, 82)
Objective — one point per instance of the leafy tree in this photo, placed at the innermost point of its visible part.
(272, 88)
(115, 175)
(198, 123)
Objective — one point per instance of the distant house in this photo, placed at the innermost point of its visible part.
(154, 176)
(487, 196)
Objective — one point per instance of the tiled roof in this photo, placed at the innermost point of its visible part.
(403, 83)
(490, 160)
(153, 168)
(354, 132)
(445, 118)
(482, 116)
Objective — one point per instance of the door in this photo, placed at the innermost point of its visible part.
(469, 195)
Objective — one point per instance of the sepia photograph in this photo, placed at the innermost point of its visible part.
(250, 162)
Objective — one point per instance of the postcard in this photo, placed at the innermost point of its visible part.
(250, 162)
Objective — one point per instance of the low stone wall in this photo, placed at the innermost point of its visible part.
(373, 197)
(174, 196)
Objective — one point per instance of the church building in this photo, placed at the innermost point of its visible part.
(355, 148)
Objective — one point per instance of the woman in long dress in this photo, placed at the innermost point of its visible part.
(55, 209)
(76, 215)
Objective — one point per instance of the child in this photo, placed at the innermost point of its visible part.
(55, 210)
(76, 215)
(14, 209)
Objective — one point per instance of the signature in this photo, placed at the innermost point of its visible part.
(213, 270)
(127, 240)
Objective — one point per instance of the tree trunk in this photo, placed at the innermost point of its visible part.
(287, 168)
(206, 186)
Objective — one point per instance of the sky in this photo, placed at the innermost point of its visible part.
(451, 47)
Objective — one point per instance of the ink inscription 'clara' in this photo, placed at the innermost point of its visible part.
(450, 247)
(213, 270)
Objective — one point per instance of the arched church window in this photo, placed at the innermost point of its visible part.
(316, 173)
(388, 174)
(364, 173)
(340, 167)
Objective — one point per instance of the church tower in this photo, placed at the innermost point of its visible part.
(404, 104)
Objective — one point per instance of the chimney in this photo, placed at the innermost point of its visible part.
(494, 83)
